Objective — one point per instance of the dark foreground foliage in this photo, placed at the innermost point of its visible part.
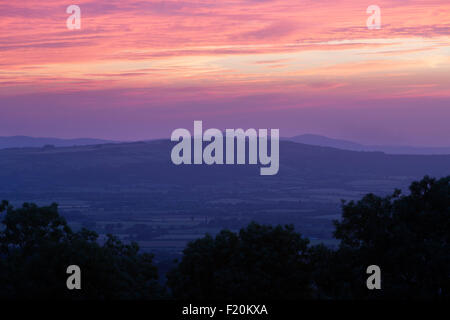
(37, 245)
(261, 261)
(408, 236)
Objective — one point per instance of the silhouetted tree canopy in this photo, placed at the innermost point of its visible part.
(408, 236)
(260, 262)
(37, 246)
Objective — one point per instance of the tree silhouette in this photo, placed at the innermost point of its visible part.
(408, 236)
(37, 246)
(260, 262)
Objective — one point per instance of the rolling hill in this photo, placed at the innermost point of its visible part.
(149, 162)
(318, 140)
(24, 142)
(135, 188)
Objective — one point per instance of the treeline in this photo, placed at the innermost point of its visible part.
(407, 236)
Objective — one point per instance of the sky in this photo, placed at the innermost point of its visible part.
(140, 69)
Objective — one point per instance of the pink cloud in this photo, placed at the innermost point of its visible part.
(228, 60)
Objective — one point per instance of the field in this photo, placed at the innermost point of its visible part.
(132, 190)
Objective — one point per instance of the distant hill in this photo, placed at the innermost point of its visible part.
(143, 163)
(309, 139)
(136, 183)
(24, 142)
(318, 140)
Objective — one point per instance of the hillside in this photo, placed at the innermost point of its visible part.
(26, 142)
(134, 190)
(149, 162)
(318, 140)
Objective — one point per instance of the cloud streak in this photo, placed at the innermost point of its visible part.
(195, 55)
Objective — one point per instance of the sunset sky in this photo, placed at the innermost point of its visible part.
(140, 69)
